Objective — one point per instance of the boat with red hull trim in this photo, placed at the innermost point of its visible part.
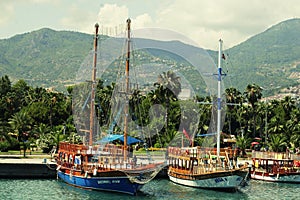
(275, 167)
(104, 166)
(207, 168)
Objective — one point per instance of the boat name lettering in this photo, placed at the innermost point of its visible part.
(115, 181)
(104, 182)
(218, 180)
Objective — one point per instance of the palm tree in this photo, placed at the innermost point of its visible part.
(277, 142)
(5, 85)
(21, 124)
(103, 101)
(49, 138)
(253, 94)
(234, 98)
(42, 131)
(295, 140)
(168, 86)
(205, 114)
(170, 83)
(243, 143)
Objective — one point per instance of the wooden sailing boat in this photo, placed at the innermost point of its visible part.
(275, 167)
(104, 167)
(207, 168)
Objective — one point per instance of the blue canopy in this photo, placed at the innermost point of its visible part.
(110, 138)
(207, 134)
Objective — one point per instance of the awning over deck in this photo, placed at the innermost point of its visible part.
(111, 138)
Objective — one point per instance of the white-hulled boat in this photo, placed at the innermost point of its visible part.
(207, 168)
(275, 167)
(199, 167)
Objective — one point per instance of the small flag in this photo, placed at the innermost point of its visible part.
(187, 135)
(223, 56)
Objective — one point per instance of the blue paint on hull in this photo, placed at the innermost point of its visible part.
(115, 184)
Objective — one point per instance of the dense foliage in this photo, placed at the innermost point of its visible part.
(32, 117)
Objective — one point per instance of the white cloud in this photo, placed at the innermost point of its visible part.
(77, 19)
(142, 21)
(7, 12)
(112, 15)
(203, 21)
(206, 21)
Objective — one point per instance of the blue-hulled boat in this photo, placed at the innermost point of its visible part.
(101, 165)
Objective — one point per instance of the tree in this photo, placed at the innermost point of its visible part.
(20, 90)
(170, 83)
(6, 106)
(277, 142)
(243, 143)
(5, 85)
(49, 138)
(168, 86)
(103, 101)
(253, 94)
(234, 99)
(21, 124)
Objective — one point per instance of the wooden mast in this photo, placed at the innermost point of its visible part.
(92, 112)
(126, 88)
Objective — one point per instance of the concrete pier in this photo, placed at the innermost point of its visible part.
(16, 167)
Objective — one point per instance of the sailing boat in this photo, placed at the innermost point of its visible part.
(207, 168)
(102, 166)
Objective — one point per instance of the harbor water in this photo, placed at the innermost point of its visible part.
(23, 189)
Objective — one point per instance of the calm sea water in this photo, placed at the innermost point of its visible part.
(21, 189)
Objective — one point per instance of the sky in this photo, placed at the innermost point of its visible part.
(202, 21)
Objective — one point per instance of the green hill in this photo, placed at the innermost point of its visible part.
(270, 59)
(49, 58)
(44, 57)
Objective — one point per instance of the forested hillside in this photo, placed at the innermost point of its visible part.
(50, 58)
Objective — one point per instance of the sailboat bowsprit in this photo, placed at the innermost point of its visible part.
(104, 166)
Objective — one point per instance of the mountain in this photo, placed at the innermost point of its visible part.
(44, 57)
(48, 58)
(270, 59)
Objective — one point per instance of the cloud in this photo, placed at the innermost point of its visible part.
(206, 21)
(143, 21)
(202, 21)
(78, 19)
(7, 12)
(112, 15)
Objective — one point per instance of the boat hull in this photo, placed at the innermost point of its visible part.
(283, 178)
(112, 184)
(216, 181)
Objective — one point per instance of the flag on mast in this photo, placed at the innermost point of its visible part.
(186, 135)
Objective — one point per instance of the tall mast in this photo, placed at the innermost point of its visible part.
(92, 112)
(219, 98)
(126, 87)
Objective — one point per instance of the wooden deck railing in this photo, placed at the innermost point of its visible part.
(275, 155)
